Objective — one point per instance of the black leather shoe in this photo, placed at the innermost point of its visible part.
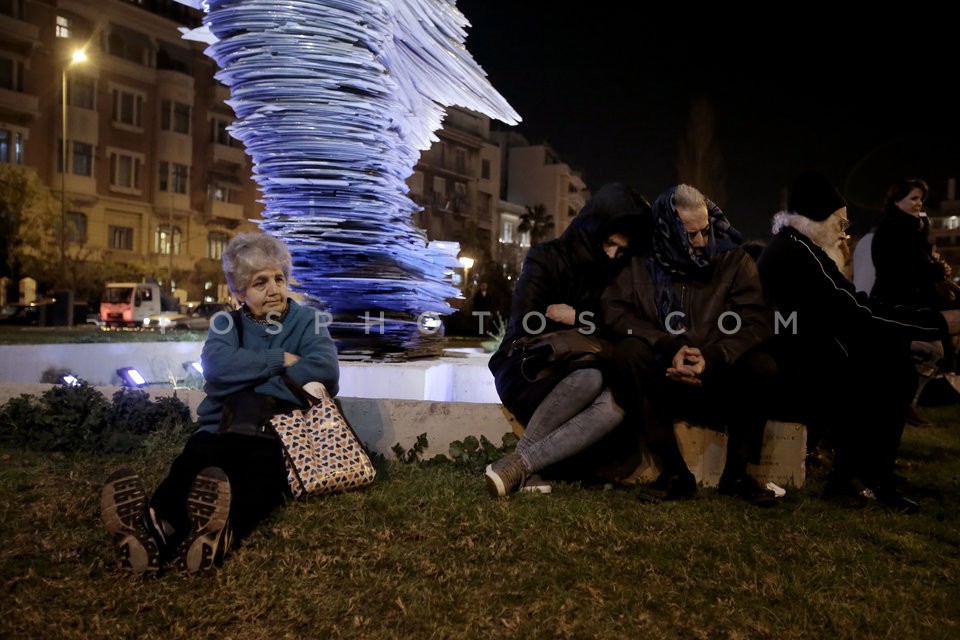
(895, 501)
(851, 492)
(670, 486)
(746, 488)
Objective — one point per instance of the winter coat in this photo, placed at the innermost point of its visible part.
(828, 318)
(732, 285)
(906, 271)
(572, 269)
(229, 366)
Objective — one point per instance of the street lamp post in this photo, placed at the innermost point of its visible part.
(78, 56)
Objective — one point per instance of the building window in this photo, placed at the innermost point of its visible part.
(11, 146)
(485, 169)
(174, 116)
(173, 177)
(64, 27)
(125, 170)
(220, 193)
(506, 232)
(127, 44)
(120, 238)
(12, 8)
(127, 108)
(76, 227)
(81, 92)
(216, 243)
(165, 238)
(460, 160)
(82, 159)
(219, 133)
(11, 74)
(18, 148)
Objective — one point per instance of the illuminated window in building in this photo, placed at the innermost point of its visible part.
(64, 27)
(506, 232)
(120, 238)
(164, 238)
(76, 226)
(82, 159)
(18, 148)
(953, 222)
(125, 170)
(82, 92)
(174, 116)
(216, 243)
(5, 146)
(127, 108)
(524, 238)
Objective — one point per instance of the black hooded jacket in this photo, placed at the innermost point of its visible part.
(572, 269)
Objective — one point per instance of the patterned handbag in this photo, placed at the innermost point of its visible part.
(322, 452)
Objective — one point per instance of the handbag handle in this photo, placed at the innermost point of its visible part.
(301, 394)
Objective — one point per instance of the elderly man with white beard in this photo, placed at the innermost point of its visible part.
(844, 365)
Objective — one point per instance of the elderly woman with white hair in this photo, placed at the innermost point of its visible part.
(223, 482)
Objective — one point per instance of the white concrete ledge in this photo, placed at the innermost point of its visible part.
(447, 379)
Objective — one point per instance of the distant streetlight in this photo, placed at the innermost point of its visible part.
(79, 55)
(467, 264)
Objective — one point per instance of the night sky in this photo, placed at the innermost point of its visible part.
(864, 101)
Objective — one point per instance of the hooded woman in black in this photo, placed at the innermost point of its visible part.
(559, 287)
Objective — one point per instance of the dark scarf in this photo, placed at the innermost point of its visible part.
(670, 257)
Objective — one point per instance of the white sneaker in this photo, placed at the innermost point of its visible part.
(536, 484)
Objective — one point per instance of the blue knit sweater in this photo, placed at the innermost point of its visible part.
(258, 362)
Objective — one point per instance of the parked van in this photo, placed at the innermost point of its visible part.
(126, 304)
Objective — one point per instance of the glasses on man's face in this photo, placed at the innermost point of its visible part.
(844, 223)
(705, 232)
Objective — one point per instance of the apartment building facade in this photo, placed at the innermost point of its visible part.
(152, 176)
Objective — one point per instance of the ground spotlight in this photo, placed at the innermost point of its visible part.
(131, 377)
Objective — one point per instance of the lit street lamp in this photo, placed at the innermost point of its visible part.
(78, 56)
(467, 264)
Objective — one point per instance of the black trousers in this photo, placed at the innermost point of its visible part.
(254, 465)
(856, 404)
(735, 397)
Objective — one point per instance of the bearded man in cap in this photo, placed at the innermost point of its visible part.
(845, 368)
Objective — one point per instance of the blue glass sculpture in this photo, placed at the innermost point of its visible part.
(335, 100)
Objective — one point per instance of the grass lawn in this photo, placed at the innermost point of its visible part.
(426, 553)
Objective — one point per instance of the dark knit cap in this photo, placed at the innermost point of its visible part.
(814, 197)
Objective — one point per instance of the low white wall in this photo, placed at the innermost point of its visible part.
(446, 379)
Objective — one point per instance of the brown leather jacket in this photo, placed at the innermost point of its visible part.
(734, 286)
